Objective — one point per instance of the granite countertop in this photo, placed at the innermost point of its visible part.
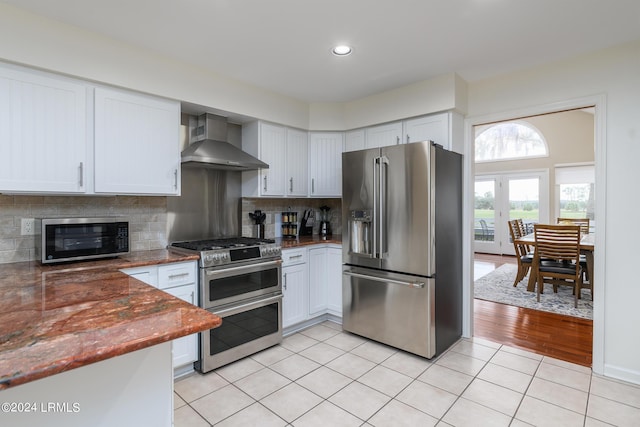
(57, 318)
(315, 239)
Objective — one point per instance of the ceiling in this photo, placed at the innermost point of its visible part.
(284, 46)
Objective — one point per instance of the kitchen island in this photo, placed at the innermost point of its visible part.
(85, 344)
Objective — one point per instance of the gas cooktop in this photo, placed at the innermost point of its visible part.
(226, 243)
(224, 251)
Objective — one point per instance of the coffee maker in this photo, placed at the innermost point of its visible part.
(325, 224)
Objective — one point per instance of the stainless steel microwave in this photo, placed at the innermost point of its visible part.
(74, 239)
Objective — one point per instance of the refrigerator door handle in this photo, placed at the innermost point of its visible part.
(374, 238)
(384, 164)
(412, 284)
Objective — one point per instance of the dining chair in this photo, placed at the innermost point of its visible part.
(523, 252)
(582, 222)
(557, 257)
(584, 229)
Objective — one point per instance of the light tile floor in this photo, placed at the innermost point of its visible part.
(325, 377)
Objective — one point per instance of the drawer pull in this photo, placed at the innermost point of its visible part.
(295, 257)
(176, 276)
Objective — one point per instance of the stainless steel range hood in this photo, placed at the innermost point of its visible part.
(209, 147)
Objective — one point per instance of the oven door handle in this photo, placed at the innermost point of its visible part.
(247, 268)
(250, 305)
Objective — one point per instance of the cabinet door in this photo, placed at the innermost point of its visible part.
(383, 135)
(334, 281)
(43, 132)
(273, 145)
(137, 143)
(354, 140)
(317, 281)
(296, 153)
(185, 349)
(325, 164)
(433, 128)
(294, 299)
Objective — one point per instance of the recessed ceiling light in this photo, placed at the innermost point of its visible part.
(341, 50)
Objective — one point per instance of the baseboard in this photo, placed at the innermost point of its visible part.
(623, 374)
(290, 330)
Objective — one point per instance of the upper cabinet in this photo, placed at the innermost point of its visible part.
(50, 145)
(445, 129)
(325, 164)
(383, 135)
(354, 140)
(136, 143)
(285, 150)
(43, 132)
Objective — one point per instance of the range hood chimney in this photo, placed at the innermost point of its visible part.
(208, 147)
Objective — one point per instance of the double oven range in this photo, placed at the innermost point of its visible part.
(240, 281)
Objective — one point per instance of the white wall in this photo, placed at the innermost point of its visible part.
(614, 73)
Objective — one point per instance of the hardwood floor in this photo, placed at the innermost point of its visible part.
(562, 337)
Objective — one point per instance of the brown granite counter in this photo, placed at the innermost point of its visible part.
(335, 239)
(57, 318)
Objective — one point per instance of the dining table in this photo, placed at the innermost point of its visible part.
(586, 247)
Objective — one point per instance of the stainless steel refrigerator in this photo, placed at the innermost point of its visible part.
(402, 246)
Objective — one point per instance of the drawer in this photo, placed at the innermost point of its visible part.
(183, 273)
(294, 256)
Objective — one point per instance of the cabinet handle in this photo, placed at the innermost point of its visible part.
(407, 139)
(291, 185)
(193, 299)
(175, 179)
(265, 183)
(284, 285)
(81, 172)
(295, 257)
(397, 140)
(175, 276)
(313, 187)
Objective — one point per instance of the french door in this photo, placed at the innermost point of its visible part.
(505, 196)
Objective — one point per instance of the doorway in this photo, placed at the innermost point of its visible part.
(599, 147)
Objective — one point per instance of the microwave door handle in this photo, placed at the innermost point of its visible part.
(384, 164)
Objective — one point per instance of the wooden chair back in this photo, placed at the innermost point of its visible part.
(558, 242)
(582, 222)
(514, 231)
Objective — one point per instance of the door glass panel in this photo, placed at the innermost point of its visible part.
(226, 287)
(524, 201)
(484, 210)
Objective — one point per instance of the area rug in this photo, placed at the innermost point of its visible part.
(497, 286)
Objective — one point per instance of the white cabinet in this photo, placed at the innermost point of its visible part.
(325, 164)
(354, 140)
(137, 143)
(48, 144)
(317, 280)
(383, 135)
(325, 280)
(445, 129)
(294, 286)
(296, 178)
(334, 280)
(285, 151)
(43, 132)
(180, 280)
(185, 349)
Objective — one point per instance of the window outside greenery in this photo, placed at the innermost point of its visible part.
(576, 201)
(509, 141)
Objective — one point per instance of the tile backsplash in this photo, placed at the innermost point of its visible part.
(273, 209)
(148, 216)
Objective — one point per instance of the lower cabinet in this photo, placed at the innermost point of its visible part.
(178, 279)
(311, 283)
(334, 280)
(294, 286)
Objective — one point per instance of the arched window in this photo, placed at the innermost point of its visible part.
(509, 141)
